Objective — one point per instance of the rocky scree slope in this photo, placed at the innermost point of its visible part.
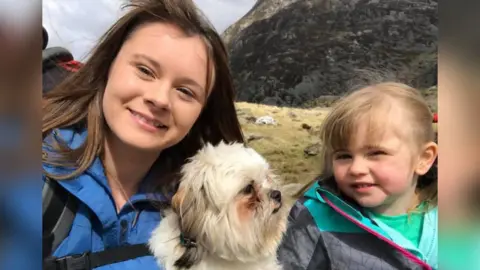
(291, 52)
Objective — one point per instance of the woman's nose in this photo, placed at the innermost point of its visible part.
(159, 96)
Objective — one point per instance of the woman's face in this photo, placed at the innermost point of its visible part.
(156, 87)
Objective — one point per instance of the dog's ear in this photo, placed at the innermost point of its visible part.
(187, 203)
(187, 206)
(177, 199)
(190, 257)
(184, 201)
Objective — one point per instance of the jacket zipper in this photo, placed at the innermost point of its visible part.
(405, 252)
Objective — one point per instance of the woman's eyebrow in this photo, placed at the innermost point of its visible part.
(158, 66)
(191, 81)
(148, 59)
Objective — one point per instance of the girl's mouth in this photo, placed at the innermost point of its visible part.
(362, 187)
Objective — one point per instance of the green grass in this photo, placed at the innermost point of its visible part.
(283, 145)
(430, 96)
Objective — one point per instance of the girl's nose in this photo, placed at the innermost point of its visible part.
(358, 166)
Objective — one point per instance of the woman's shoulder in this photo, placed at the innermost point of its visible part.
(73, 137)
(54, 144)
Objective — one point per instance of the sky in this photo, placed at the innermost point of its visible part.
(77, 24)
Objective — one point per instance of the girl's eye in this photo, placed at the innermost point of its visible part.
(377, 153)
(342, 156)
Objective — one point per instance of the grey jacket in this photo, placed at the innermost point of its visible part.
(326, 233)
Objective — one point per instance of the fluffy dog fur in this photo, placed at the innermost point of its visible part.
(228, 202)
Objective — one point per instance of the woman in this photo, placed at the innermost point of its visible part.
(155, 89)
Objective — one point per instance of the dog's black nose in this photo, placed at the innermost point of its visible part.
(276, 195)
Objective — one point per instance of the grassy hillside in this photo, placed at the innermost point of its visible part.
(284, 144)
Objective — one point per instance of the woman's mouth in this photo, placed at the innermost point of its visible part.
(147, 122)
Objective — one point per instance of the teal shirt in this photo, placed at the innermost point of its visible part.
(409, 225)
(419, 234)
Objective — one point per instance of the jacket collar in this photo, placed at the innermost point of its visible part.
(92, 187)
(429, 239)
(427, 249)
(319, 193)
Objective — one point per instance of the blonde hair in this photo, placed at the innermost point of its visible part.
(372, 106)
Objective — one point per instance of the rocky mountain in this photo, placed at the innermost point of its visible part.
(292, 52)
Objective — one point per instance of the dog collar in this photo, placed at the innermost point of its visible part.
(187, 242)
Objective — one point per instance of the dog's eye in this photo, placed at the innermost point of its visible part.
(248, 189)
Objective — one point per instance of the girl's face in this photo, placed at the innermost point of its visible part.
(156, 87)
(378, 176)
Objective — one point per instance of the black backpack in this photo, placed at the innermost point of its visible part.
(59, 206)
(52, 60)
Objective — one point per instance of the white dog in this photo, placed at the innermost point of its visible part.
(226, 214)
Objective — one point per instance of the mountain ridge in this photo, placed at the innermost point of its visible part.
(290, 52)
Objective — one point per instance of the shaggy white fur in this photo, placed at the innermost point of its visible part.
(229, 204)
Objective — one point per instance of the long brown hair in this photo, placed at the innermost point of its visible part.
(76, 102)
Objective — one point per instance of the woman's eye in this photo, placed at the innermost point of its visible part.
(185, 91)
(145, 71)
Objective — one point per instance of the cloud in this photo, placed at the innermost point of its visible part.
(78, 24)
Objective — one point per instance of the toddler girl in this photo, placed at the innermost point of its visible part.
(375, 204)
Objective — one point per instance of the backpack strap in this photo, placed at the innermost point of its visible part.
(59, 208)
(87, 261)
